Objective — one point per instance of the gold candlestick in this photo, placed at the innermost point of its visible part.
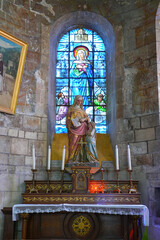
(102, 179)
(131, 190)
(62, 179)
(33, 189)
(48, 181)
(117, 180)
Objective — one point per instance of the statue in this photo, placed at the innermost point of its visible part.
(78, 127)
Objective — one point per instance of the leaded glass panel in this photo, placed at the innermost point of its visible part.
(81, 70)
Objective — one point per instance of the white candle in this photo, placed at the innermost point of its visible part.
(34, 157)
(117, 158)
(49, 157)
(129, 158)
(63, 157)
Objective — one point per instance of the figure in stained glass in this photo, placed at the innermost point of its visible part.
(100, 103)
(81, 76)
(61, 109)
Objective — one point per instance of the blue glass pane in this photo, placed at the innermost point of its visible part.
(62, 55)
(74, 31)
(63, 47)
(99, 56)
(100, 82)
(88, 45)
(99, 73)
(99, 64)
(99, 47)
(97, 38)
(62, 64)
(65, 38)
(101, 129)
(61, 82)
(62, 73)
(61, 129)
(101, 118)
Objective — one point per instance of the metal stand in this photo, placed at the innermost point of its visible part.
(62, 180)
(48, 181)
(102, 179)
(117, 189)
(131, 190)
(33, 189)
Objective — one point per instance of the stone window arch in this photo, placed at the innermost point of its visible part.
(82, 19)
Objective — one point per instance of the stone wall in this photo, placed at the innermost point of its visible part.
(137, 117)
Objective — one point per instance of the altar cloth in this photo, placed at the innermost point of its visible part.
(116, 209)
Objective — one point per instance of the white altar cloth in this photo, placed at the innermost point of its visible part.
(122, 209)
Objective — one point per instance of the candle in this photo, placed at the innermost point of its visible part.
(63, 157)
(117, 158)
(49, 157)
(129, 158)
(34, 158)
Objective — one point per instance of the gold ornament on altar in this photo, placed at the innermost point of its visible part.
(81, 226)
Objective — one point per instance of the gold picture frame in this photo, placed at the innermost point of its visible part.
(12, 58)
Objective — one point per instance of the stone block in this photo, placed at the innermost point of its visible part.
(3, 131)
(19, 146)
(138, 148)
(44, 125)
(126, 136)
(122, 125)
(21, 134)
(13, 132)
(16, 160)
(156, 158)
(4, 144)
(31, 135)
(154, 146)
(144, 134)
(146, 159)
(158, 132)
(150, 121)
(40, 148)
(135, 123)
(42, 136)
(28, 160)
(3, 158)
(32, 123)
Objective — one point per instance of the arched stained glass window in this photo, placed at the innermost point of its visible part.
(81, 70)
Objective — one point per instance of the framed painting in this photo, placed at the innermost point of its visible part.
(12, 58)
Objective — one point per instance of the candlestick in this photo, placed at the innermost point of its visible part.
(129, 158)
(62, 180)
(48, 181)
(117, 180)
(132, 189)
(34, 158)
(49, 157)
(33, 189)
(63, 158)
(117, 158)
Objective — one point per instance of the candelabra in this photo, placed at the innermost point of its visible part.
(62, 179)
(48, 181)
(131, 190)
(117, 180)
(33, 189)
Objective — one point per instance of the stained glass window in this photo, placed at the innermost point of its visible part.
(81, 70)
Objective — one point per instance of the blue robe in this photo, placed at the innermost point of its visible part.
(81, 81)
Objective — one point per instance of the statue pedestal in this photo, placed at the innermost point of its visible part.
(80, 179)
